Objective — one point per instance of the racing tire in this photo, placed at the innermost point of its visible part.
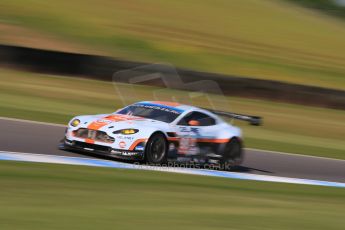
(233, 154)
(156, 149)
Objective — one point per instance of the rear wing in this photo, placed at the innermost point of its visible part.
(253, 120)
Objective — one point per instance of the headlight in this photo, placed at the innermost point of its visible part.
(75, 122)
(126, 131)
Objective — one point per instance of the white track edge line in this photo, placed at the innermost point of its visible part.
(294, 154)
(32, 122)
(246, 176)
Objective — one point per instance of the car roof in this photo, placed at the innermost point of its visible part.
(182, 108)
(171, 105)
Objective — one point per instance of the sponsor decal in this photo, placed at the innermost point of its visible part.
(88, 149)
(135, 143)
(190, 130)
(195, 131)
(104, 121)
(159, 107)
(122, 137)
(123, 153)
(115, 152)
(184, 129)
(122, 144)
(139, 148)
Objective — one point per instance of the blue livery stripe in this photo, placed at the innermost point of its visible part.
(162, 106)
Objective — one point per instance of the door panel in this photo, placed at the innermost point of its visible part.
(193, 139)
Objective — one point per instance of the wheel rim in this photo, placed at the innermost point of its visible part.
(157, 149)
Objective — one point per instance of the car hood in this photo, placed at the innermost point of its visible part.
(118, 121)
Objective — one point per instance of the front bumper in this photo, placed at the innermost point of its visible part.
(102, 150)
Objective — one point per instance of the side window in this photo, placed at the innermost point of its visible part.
(203, 119)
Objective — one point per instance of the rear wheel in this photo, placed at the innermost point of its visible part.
(156, 149)
(233, 154)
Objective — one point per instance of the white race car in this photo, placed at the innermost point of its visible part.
(156, 131)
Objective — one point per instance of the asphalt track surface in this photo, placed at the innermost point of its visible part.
(28, 137)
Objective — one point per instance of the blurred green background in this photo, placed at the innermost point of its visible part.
(266, 39)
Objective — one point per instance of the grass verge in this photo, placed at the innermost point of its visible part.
(47, 196)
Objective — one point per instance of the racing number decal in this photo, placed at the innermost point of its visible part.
(186, 145)
(188, 140)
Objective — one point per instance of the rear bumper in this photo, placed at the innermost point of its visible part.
(102, 150)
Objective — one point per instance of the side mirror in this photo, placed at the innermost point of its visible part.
(193, 123)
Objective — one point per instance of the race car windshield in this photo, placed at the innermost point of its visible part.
(154, 112)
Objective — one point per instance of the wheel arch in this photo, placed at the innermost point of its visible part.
(158, 132)
(222, 146)
(148, 140)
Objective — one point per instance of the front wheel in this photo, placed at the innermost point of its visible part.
(233, 154)
(156, 149)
